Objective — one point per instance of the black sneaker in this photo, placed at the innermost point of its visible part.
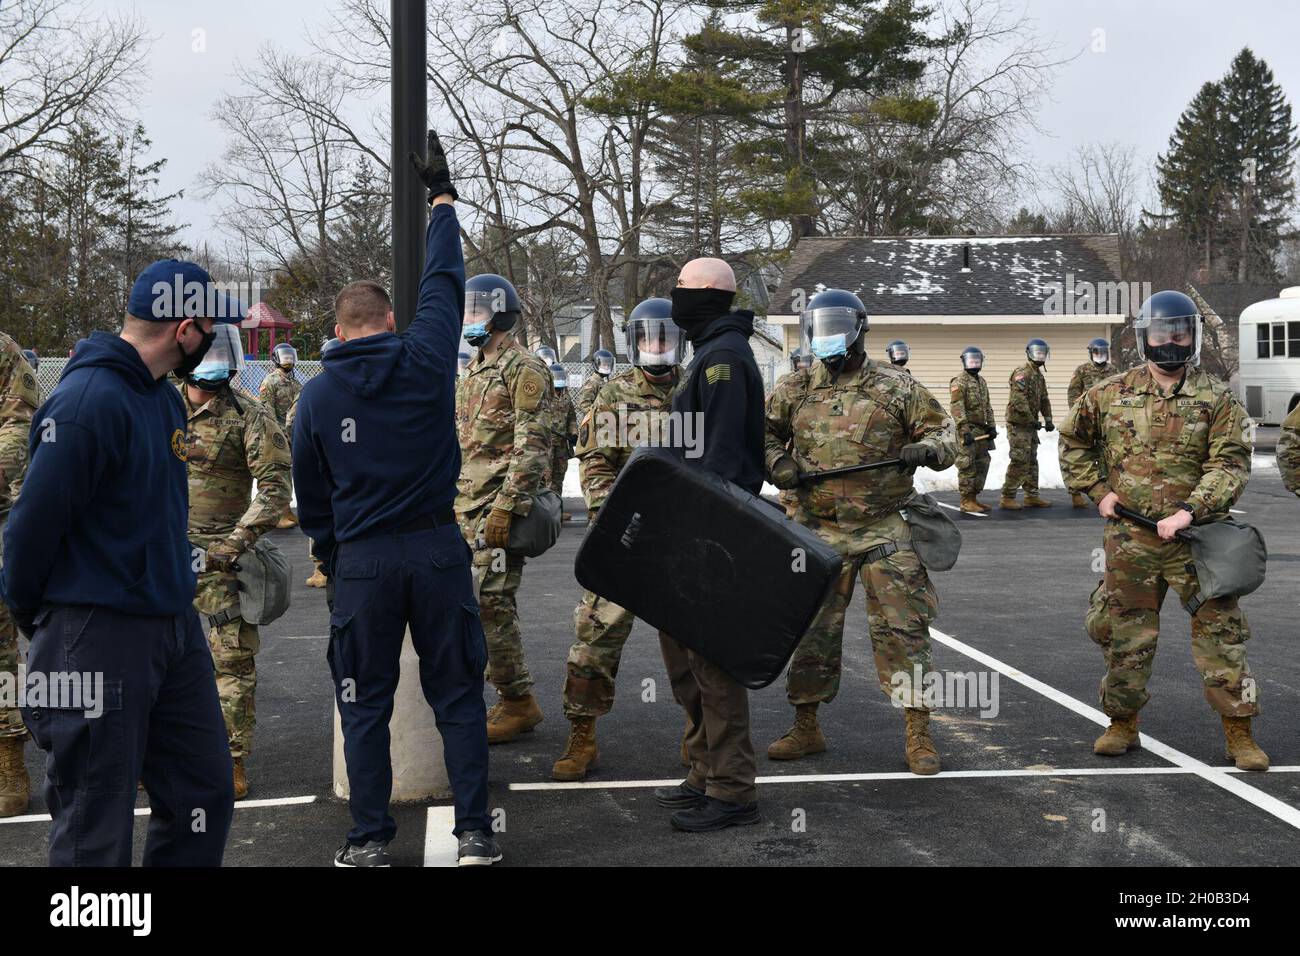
(681, 797)
(371, 854)
(713, 814)
(477, 848)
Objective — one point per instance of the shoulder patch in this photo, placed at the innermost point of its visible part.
(277, 439)
(530, 388)
(718, 373)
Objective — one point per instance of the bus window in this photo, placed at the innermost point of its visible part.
(1279, 340)
(1261, 340)
(1293, 339)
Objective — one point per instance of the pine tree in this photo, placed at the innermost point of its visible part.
(1193, 173)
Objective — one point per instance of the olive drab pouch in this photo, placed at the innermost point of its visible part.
(534, 533)
(263, 577)
(1229, 558)
(935, 537)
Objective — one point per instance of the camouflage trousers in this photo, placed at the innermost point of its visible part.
(601, 628)
(972, 468)
(234, 647)
(559, 465)
(1022, 469)
(11, 720)
(498, 576)
(1140, 570)
(901, 603)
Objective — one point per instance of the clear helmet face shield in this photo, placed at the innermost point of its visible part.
(603, 362)
(898, 352)
(547, 354)
(224, 358)
(655, 343)
(1038, 352)
(831, 331)
(479, 309)
(1169, 341)
(559, 376)
(285, 356)
(972, 360)
(1099, 354)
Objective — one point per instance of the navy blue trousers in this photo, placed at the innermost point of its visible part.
(160, 724)
(383, 585)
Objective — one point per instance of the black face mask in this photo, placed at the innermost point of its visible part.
(657, 371)
(694, 309)
(190, 360)
(973, 371)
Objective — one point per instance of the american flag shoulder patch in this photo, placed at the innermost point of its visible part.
(718, 373)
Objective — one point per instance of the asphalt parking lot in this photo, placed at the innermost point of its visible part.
(1020, 787)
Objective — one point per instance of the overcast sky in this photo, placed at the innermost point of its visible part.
(1157, 53)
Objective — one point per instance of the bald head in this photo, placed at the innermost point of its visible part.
(707, 274)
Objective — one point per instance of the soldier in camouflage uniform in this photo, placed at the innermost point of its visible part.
(602, 366)
(898, 352)
(630, 404)
(503, 419)
(1097, 368)
(849, 410)
(1028, 399)
(1288, 451)
(279, 393)
(19, 398)
(1168, 441)
(232, 439)
(564, 428)
(972, 411)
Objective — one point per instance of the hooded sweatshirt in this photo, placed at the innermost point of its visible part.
(725, 389)
(374, 439)
(103, 512)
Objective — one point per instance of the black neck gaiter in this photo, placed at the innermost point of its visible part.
(695, 309)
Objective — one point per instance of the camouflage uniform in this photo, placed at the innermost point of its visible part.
(1288, 451)
(602, 627)
(587, 394)
(1085, 377)
(860, 417)
(1155, 450)
(279, 393)
(972, 411)
(564, 427)
(231, 442)
(1028, 399)
(503, 420)
(19, 398)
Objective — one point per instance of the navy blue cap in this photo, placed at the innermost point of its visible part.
(173, 289)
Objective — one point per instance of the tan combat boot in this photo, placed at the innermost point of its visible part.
(1009, 503)
(317, 579)
(1242, 748)
(922, 758)
(15, 789)
(980, 505)
(288, 521)
(804, 738)
(1080, 500)
(241, 778)
(1034, 501)
(1120, 737)
(511, 716)
(580, 753)
(971, 506)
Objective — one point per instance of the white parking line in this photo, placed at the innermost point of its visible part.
(440, 846)
(1215, 775)
(955, 508)
(144, 811)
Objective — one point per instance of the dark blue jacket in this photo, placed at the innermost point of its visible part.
(103, 511)
(374, 439)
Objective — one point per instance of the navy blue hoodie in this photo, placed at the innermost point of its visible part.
(103, 512)
(374, 439)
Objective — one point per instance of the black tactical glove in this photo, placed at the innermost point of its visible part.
(992, 432)
(916, 454)
(785, 473)
(968, 439)
(1049, 427)
(433, 171)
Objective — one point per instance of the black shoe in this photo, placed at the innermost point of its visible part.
(714, 814)
(477, 848)
(371, 854)
(681, 797)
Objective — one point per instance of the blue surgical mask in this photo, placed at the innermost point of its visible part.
(829, 346)
(478, 330)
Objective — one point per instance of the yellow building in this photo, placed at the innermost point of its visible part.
(941, 294)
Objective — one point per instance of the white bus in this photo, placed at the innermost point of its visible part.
(1270, 357)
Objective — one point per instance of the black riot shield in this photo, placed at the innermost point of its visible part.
(719, 569)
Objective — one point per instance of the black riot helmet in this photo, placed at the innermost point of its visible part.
(898, 352)
(655, 343)
(1168, 330)
(972, 359)
(1038, 351)
(833, 324)
(284, 356)
(603, 362)
(491, 305)
(800, 358)
(1099, 351)
(559, 377)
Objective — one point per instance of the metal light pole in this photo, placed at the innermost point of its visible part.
(410, 121)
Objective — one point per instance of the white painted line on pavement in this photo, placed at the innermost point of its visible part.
(440, 845)
(1215, 775)
(144, 811)
(955, 508)
(302, 637)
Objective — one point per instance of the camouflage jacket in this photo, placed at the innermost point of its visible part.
(970, 405)
(1288, 451)
(503, 420)
(860, 417)
(19, 399)
(278, 393)
(587, 394)
(625, 407)
(231, 441)
(1086, 376)
(564, 420)
(1028, 396)
(1156, 450)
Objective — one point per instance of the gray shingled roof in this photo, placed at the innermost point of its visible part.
(924, 276)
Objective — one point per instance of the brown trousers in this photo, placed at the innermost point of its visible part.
(717, 725)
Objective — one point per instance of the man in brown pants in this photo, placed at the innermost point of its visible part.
(724, 394)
